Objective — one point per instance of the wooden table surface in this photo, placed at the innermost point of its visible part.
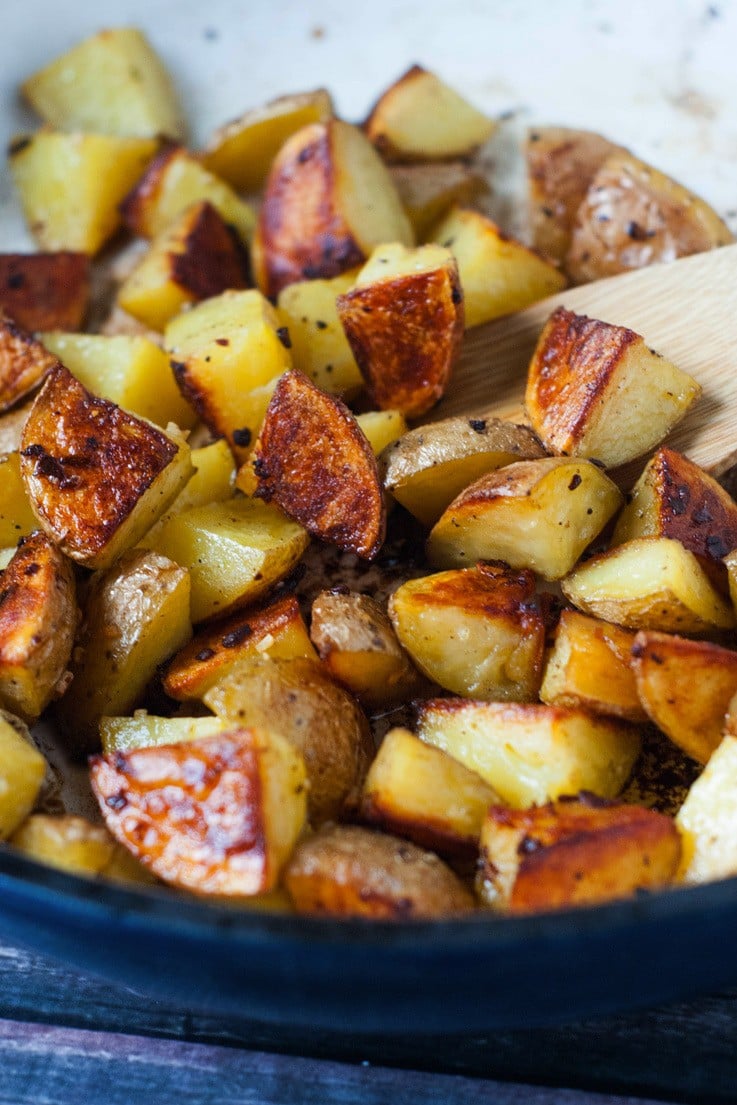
(66, 1037)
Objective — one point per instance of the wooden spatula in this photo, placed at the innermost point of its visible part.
(686, 310)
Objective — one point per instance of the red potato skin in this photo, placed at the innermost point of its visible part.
(45, 291)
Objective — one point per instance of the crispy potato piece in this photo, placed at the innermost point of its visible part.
(297, 699)
(633, 215)
(428, 191)
(319, 345)
(45, 291)
(196, 257)
(235, 552)
(589, 668)
(577, 851)
(276, 629)
(561, 163)
(38, 618)
(97, 477)
(329, 201)
(420, 117)
(24, 362)
(142, 730)
(404, 323)
(67, 842)
(111, 83)
(173, 181)
(16, 517)
(242, 151)
(70, 185)
(357, 645)
(314, 461)
(218, 815)
(479, 632)
(650, 583)
(596, 390)
(382, 428)
(686, 688)
(498, 274)
(414, 790)
(135, 616)
(22, 774)
(538, 514)
(707, 820)
(427, 467)
(531, 753)
(348, 871)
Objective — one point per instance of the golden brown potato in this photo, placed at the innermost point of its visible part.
(348, 871)
(313, 460)
(45, 291)
(276, 629)
(328, 201)
(686, 688)
(428, 191)
(647, 217)
(16, 517)
(22, 774)
(355, 640)
(596, 390)
(479, 632)
(420, 117)
(416, 791)
(38, 618)
(219, 815)
(404, 322)
(67, 842)
(707, 820)
(589, 668)
(24, 362)
(97, 477)
(531, 753)
(577, 851)
(538, 514)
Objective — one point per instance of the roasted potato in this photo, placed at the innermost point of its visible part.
(707, 820)
(24, 362)
(16, 517)
(382, 428)
(349, 871)
(142, 730)
(22, 773)
(67, 842)
(45, 291)
(428, 190)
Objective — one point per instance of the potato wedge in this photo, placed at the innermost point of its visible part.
(16, 517)
(633, 215)
(707, 820)
(404, 322)
(382, 428)
(24, 363)
(22, 773)
(349, 871)
(297, 699)
(45, 291)
(538, 514)
(416, 791)
(651, 583)
(67, 842)
(498, 274)
(313, 460)
(479, 632)
(420, 117)
(38, 618)
(574, 852)
(97, 477)
(589, 668)
(596, 390)
(329, 201)
(219, 815)
(428, 190)
(142, 730)
(531, 753)
(319, 345)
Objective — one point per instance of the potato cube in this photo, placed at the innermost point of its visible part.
(428, 191)
(382, 428)
(16, 517)
(212, 482)
(45, 291)
(707, 819)
(22, 772)
(319, 345)
(67, 842)
(531, 753)
(142, 730)
(24, 362)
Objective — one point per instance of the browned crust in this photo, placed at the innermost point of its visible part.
(212, 259)
(135, 207)
(490, 587)
(692, 507)
(432, 833)
(24, 362)
(45, 291)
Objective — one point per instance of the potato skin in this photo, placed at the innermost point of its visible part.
(45, 291)
(24, 362)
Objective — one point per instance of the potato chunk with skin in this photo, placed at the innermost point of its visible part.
(429, 190)
(219, 815)
(420, 117)
(589, 667)
(596, 390)
(498, 274)
(97, 477)
(22, 773)
(650, 583)
(67, 842)
(479, 632)
(348, 871)
(314, 461)
(414, 790)
(577, 851)
(633, 215)
(404, 323)
(24, 363)
(538, 514)
(531, 753)
(328, 202)
(38, 618)
(45, 291)
(142, 730)
(319, 345)
(707, 820)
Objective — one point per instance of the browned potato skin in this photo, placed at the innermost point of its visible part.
(314, 461)
(24, 362)
(347, 871)
(45, 291)
(212, 258)
(686, 687)
(405, 333)
(577, 852)
(38, 619)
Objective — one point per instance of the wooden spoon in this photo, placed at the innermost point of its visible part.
(686, 310)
